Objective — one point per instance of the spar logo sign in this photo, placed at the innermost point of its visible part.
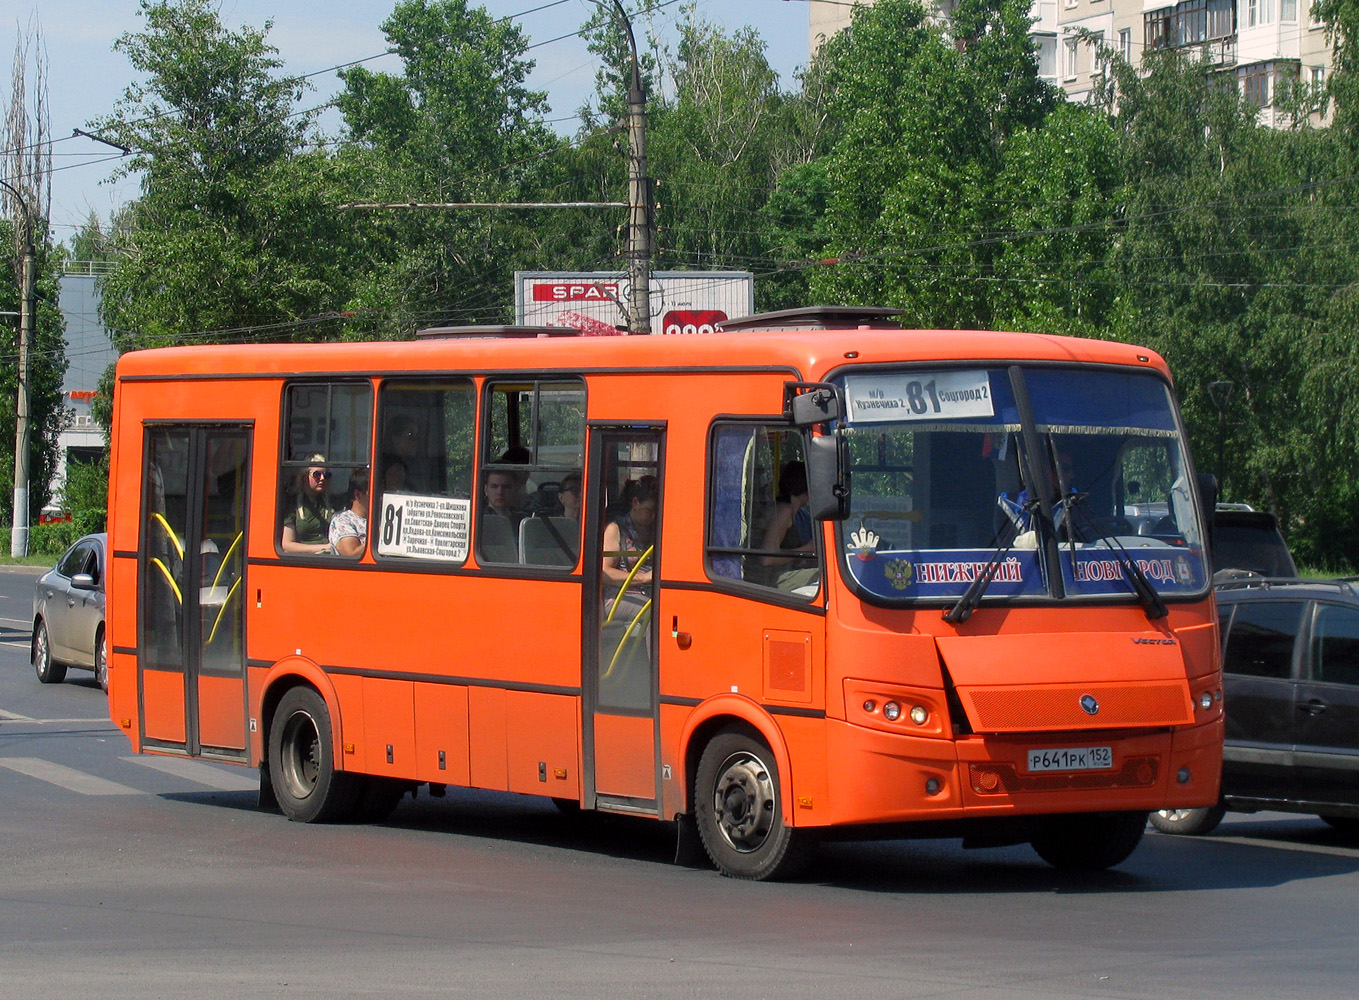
(575, 291)
(683, 321)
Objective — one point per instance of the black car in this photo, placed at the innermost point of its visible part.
(1248, 542)
(1291, 690)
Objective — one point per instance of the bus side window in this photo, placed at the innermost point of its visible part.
(529, 500)
(329, 437)
(422, 483)
(759, 530)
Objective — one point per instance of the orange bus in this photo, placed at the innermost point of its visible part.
(811, 577)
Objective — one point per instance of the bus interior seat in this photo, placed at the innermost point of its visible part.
(549, 541)
(496, 542)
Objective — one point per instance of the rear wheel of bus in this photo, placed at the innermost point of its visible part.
(301, 761)
(739, 810)
(1089, 841)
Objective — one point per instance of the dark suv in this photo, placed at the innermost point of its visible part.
(1291, 689)
(1248, 542)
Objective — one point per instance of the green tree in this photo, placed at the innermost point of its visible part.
(1226, 263)
(712, 150)
(46, 368)
(224, 237)
(923, 114)
(457, 124)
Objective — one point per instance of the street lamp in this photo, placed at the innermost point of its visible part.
(1219, 393)
(28, 309)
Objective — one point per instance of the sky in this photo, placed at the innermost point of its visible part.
(86, 77)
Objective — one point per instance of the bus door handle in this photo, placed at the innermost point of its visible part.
(682, 639)
(1313, 707)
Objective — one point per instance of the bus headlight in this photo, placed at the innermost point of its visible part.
(891, 711)
(919, 714)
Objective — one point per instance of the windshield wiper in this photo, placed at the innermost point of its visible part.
(1142, 588)
(965, 605)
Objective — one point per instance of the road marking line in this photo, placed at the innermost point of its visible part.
(196, 771)
(100, 720)
(65, 777)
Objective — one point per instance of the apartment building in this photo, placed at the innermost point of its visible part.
(1260, 42)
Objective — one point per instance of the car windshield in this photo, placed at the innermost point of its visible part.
(1078, 471)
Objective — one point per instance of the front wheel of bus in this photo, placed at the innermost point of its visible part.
(302, 764)
(1089, 842)
(738, 806)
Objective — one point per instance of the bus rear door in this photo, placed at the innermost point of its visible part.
(191, 636)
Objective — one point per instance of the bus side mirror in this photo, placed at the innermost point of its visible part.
(827, 485)
(808, 403)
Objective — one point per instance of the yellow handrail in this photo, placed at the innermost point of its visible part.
(626, 632)
(168, 576)
(179, 547)
(628, 582)
(232, 548)
(222, 609)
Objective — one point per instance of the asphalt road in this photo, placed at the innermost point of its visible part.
(145, 877)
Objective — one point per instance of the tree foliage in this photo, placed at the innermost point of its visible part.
(25, 167)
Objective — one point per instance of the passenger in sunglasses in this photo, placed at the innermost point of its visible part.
(306, 525)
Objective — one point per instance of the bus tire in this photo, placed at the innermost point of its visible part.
(302, 762)
(738, 808)
(378, 797)
(1089, 842)
(1188, 822)
(49, 671)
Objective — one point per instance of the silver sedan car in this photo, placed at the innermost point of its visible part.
(68, 614)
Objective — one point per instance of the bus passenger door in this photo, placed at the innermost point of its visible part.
(191, 634)
(618, 675)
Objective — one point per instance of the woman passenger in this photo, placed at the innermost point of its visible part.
(627, 542)
(568, 495)
(306, 525)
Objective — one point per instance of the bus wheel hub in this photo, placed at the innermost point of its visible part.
(744, 800)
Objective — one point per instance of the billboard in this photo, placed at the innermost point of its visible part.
(682, 302)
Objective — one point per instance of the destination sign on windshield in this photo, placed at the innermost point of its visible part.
(919, 396)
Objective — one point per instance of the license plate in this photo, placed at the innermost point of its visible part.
(1072, 759)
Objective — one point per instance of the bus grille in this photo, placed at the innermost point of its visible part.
(1049, 709)
(1000, 779)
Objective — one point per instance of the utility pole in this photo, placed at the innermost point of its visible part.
(28, 309)
(639, 196)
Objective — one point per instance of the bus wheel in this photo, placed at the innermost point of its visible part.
(739, 814)
(377, 798)
(1089, 842)
(302, 765)
(49, 671)
(1188, 822)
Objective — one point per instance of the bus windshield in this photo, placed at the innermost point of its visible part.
(1077, 477)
